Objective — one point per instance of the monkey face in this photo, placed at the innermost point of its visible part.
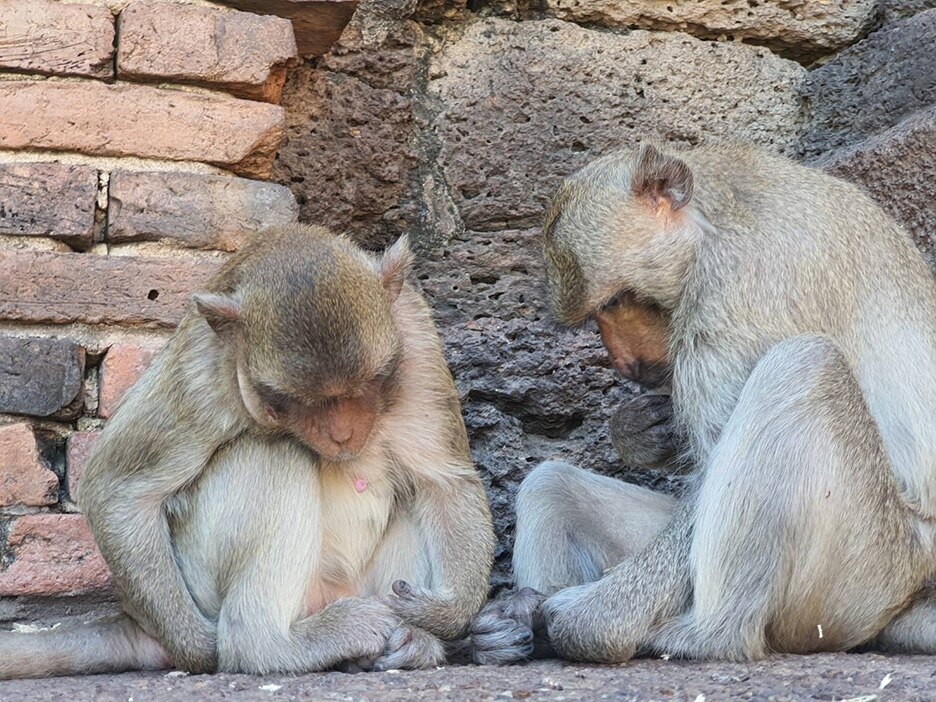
(636, 337)
(336, 423)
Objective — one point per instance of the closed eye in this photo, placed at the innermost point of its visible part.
(274, 399)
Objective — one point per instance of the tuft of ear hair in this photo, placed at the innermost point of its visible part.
(395, 265)
(220, 311)
(661, 178)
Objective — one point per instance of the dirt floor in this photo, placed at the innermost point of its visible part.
(852, 677)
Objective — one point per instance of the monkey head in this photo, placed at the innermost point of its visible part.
(618, 242)
(312, 333)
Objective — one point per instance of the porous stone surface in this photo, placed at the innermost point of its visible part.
(898, 169)
(530, 391)
(140, 120)
(55, 38)
(122, 367)
(239, 52)
(584, 92)
(78, 450)
(48, 200)
(192, 210)
(25, 479)
(38, 376)
(61, 288)
(51, 554)
(801, 29)
(350, 153)
(872, 85)
(899, 9)
(317, 23)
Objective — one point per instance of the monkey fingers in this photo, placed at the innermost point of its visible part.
(419, 606)
(642, 430)
(509, 629)
(411, 648)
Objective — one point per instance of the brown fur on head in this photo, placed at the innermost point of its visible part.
(617, 242)
(313, 335)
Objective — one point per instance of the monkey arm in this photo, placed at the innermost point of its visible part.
(609, 619)
(455, 522)
(157, 443)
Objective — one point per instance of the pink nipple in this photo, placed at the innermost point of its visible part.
(360, 484)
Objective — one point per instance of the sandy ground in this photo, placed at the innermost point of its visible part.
(855, 677)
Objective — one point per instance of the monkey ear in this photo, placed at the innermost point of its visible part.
(220, 311)
(395, 265)
(661, 178)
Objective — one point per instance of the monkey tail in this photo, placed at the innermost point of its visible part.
(111, 645)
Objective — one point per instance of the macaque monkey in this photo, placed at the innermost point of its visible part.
(288, 488)
(796, 323)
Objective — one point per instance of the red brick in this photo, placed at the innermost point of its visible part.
(55, 38)
(140, 120)
(242, 53)
(317, 23)
(122, 367)
(198, 211)
(78, 450)
(52, 554)
(38, 286)
(25, 479)
(40, 377)
(48, 199)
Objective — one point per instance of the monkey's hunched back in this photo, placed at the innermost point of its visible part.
(779, 249)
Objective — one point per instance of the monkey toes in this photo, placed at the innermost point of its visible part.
(505, 631)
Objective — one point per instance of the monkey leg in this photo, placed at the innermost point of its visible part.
(801, 541)
(111, 645)
(402, 555)
(913, 630)
(572, 525)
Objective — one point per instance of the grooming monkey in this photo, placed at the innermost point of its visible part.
(796, 323)
(294, 455)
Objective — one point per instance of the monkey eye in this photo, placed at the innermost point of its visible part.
(275, 403)
(615, 301)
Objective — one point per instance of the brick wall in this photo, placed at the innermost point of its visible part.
(135, 142)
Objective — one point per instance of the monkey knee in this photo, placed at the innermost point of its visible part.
(545, 486)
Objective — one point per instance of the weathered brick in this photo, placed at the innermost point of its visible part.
(25, 479)
(52, 554)
(38, 286)
(317, 23)
(122, 367)
(39, 377)
(55, 38)
(141, 120)
(242, 53)
(199, 211)
(48, 199)
(78, 450)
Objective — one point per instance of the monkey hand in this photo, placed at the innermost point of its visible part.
(193, 649)
(583, 623)
(505, 630)
(408, 648)
(438, 612)
(642, 431)
(363, 625)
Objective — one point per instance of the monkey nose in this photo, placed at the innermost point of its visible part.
(341, 433)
